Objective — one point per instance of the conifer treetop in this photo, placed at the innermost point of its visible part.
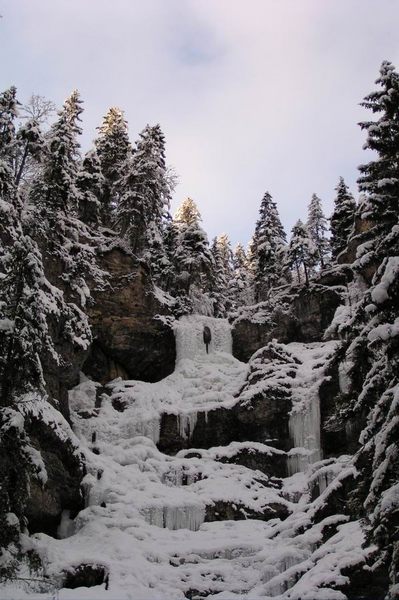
(188, 213)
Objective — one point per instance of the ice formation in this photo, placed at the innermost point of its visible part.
(189, 337)
(304, 423)
(145, 520)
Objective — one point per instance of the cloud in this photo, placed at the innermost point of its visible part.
(252, 95)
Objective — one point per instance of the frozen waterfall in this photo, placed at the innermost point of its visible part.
(304, 427)
(304, 423)
(189, 337)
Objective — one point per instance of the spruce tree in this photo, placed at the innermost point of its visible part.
(56, 197)
(268, 248)
(55, 192)
(145, 198)
(302, 253)
(30, 145)
(317, 228)
(90, 182)
(26, 300)
(8, 114)
(169, 269)
(379, 180)
(223, 274)
(242, 280)
(342, 218)
(193, 258)
(113, 150)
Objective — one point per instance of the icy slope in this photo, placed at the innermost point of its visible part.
(144, 522)
(200, 382)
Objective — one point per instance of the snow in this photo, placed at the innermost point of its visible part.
(7, 325)
(304, 423)
(189, 337)
(380, 292)
(145, 520)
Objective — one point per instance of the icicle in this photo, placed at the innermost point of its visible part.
(175, 517)
(66, 527)
(304, 427)
(187, 423)
(147, 428)
(343, 376)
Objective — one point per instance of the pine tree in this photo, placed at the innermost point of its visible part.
(317, 228)
(302, 253)
(56, 197)
(114, 151)
(26, 300)
(8, 113)
(223, 274)
(242, 280)
(193, 258)
(30, 145)
(145, 198)
(169, 270)
(187, 213)
(379, 179)
(268, 248)
(55, 192)
(90, 183)
(342, 218)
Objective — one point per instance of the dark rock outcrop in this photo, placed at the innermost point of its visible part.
(264, 405)
(86, 575)
(217, 427)
(222, 510)
(295, 314)
(65, 471)
(272, 463)
(129, 341)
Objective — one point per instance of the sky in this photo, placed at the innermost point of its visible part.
(252, 95)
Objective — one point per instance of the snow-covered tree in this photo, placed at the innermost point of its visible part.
(55, 191)
(8, 114)
(24, 332)
(342, 218)
(223, 274)
(56, 196)
(30, 145)
(302, 253)
(145, 199)
(187, 213)
(114, 150)
(317, 228)
(169, 268)
(268, 248)
(379, 180)
(242, 280)
(193, 258)
(90, 183)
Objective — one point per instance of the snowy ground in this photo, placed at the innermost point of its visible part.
(147, 529)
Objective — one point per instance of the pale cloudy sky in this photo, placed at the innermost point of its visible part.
(253, 95)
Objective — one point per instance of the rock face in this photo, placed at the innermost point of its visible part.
(300, 314)
(61, 377)
(128, 340)
(65, 470)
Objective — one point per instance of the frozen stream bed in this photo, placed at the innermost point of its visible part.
(149, 532)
